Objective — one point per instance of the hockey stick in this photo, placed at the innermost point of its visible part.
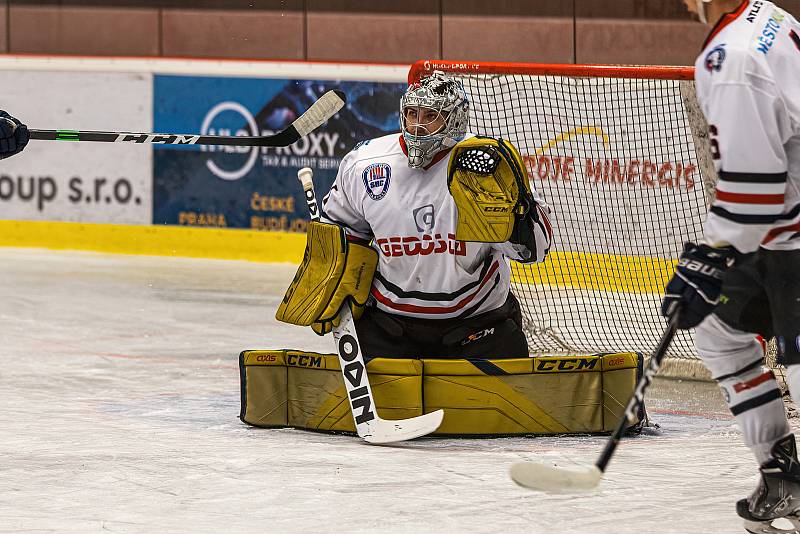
(319, 112)
(551, 479)
(369, 425)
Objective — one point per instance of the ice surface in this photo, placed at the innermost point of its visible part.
(119, 397)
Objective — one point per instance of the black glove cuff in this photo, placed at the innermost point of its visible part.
(721, 257)
(523, 234)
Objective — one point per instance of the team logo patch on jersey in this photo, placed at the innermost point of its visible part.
(376, 180)
(424, 218)
(715, 58)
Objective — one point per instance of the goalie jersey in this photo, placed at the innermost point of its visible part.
(748, 85)
(410, 217)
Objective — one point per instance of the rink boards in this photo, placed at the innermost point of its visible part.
(182, 185)
(240, 187)
(237, 203)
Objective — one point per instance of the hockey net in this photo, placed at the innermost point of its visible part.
(621, 155)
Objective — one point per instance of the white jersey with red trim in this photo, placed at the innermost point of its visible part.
(410, 217)
(748, 85)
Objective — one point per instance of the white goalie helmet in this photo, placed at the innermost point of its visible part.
(444, 95)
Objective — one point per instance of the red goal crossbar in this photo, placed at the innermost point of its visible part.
(426, 66)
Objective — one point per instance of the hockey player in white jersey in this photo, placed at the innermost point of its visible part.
(432, 295)
(744, 279)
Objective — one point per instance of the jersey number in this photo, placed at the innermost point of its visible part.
(712, 130)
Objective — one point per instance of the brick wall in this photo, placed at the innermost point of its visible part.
(558, 31)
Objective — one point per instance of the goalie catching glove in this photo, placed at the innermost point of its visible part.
(334, 272)
(490, 187)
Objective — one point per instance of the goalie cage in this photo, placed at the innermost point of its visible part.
(621, 154)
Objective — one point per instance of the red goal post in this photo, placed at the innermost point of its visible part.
(620, 153)
(426, 66)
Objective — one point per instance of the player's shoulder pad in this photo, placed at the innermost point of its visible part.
(378, 147)
(732, 62)
(379, 150)
(717, 59)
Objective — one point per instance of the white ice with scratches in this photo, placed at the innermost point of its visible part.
(119, 391)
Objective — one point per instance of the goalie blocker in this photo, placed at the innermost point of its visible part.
(541, 395)
(335, 271)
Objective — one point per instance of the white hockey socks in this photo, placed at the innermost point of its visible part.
(735, 359)
(754, 398)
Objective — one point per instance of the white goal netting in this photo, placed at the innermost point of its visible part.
(621, 159)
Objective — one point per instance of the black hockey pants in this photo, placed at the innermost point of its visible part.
(494, 334)
(761, 294)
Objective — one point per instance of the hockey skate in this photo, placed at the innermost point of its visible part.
(777, 497)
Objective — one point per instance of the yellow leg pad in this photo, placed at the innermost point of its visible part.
(547, 395)
(621, 372)
(307, 388)
(263, 376)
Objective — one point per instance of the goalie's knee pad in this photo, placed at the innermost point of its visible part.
(334, 272)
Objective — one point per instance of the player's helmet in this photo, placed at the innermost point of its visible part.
(441, 93)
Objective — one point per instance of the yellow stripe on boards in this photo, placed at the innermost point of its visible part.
(218, 243)
(603, 272)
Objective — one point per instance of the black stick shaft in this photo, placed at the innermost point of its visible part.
(316, 115)
(283, 138)
(638, 395)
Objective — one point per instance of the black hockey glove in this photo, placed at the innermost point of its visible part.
(13, 135)
(523, 232)
(697, 283)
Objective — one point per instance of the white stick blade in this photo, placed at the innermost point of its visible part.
(319, 112)
(385, 431)
(551, 479)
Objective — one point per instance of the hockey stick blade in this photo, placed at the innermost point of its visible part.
(385, 431)
(552, 479)
(369, 425)
(319, 112)
(314, 117)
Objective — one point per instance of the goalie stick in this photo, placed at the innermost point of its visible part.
(547, 478)
(369, 425)
(319, 112)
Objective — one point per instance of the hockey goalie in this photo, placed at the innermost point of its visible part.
(416, 237)
(442, 283)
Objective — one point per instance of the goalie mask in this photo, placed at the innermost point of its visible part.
(434, 113)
